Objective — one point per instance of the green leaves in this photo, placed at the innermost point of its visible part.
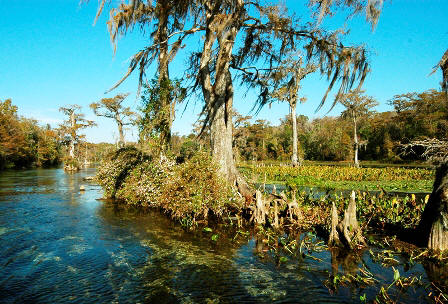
(283, 259)
(396, 274)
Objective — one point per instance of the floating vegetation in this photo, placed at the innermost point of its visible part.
(334, 173)
(344, 178)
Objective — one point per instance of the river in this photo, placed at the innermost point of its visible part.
(59, 245)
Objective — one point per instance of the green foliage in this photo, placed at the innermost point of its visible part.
(115, 168)
(378, 211)
(145, 183)
(189, 192)
(345, 178)
(188, 149)
(71, 163)
(415, 116)
(404, 212)
(195, 189)
(335, 173)
(158, 101)
(395, 186)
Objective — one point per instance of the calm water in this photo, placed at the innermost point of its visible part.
(60, 245)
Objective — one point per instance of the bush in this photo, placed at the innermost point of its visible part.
(195, 189)
(116, 167)
(71, 164)
(188, 192)
(144, 185)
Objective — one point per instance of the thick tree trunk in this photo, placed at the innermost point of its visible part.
(433, 227)
(218, 94)
(294, 158)
(347, 232)
(221, 138)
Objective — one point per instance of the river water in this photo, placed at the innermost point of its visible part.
(61, 245)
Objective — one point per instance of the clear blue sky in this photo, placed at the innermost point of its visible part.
(51, 55)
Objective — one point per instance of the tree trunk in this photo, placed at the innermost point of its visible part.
(163, 77)
(121, 134)
(72, 149)
(72, 139)
(218, 95)
(356, 144)
(221, 137)
(334, 237)
(347, 232)
(433, 227)
(294, 158)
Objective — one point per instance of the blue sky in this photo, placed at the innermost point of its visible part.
(51, 55)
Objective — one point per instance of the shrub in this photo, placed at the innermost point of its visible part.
(144, 184)
(71, 164)
(188, 192)
(115, 168)
(195, 190)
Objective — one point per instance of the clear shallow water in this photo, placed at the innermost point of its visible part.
(62, 245)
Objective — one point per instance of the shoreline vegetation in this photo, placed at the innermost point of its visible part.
(288, 225)
(192, 193)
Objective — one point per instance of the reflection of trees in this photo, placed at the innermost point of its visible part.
(344, 260)
(438, 274)
(46, 179)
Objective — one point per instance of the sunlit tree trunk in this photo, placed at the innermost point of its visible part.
(218, 95)
(294, 158)
(355, 140)
(221, 134)
(121, 141)
(72, 139)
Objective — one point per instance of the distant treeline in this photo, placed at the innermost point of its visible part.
(415, 116)
(24, 143)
